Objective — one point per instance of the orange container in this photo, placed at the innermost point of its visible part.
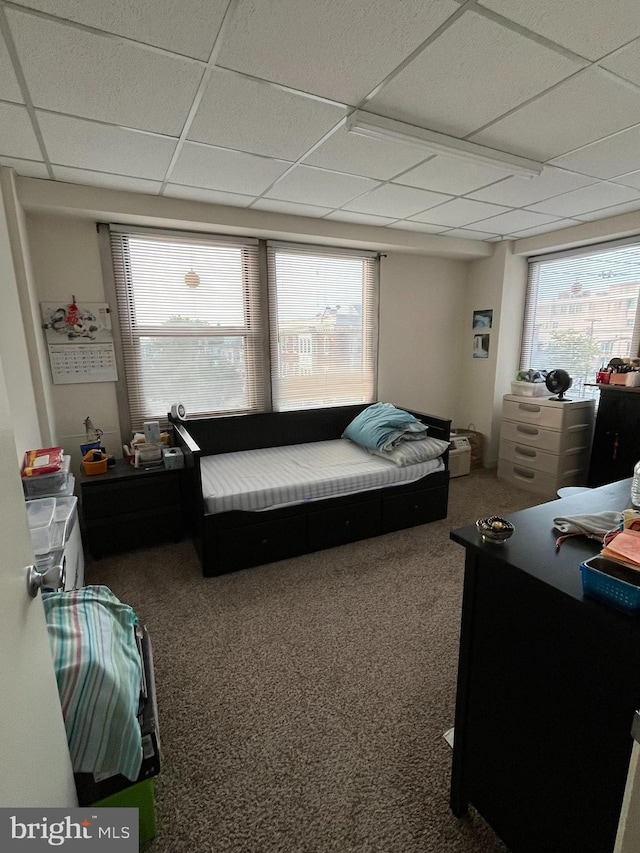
(93, 465)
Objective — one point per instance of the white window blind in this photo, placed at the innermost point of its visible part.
(323, 326)
(189, 315)
(582, 310)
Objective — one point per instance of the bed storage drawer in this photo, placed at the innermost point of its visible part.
(330, 527)
(256, 544)
(407, 510)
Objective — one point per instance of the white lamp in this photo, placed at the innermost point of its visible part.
(379, 127)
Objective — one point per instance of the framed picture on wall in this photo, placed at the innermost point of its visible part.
(481, 346)
(483, 319)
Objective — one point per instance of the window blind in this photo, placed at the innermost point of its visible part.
(323, 309)
(189, 315)
(581, 310)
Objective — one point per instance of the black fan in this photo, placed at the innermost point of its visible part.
(558, 381)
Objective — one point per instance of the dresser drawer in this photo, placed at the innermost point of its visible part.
(543, 461)
(121, 497)
(548, 413)
(572, 439)
(537, 481)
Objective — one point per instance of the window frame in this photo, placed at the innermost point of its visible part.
(261, 348)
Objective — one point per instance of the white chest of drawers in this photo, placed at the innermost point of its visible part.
(544, 443)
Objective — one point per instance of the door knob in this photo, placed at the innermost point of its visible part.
(50, 578)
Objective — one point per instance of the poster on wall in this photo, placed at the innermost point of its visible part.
(481, 346)
(483, 319)
(79, 341)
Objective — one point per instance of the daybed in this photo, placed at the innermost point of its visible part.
(228, 539)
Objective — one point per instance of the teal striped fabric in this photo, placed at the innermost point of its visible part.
(99, 672)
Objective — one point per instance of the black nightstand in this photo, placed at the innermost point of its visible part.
(129, 507)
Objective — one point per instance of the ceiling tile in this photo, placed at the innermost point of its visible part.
(451, 175)
(630, 180)
(578, 111)
(424, 227)
(461, 211)
(468, 234)
(17, 138)
(98, 179)
(335, 49)
(189, 27)
(373, 158)
(587, 199)
(359, 218)
(459, 82)
(394, 200)
(9, 88)
(518, 192)
(613, 210)
(543, 229)
(289, 207)
(28, 168)
(506, 223)
(103, 148)
(625, 62)
(102, 78)
(607, 158)
(236, 112)
(207, 196)
(306, 184)
(229, 171)
(589, 28)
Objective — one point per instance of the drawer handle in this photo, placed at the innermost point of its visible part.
(346, 522)
(416, 506)
(522, 472)
(527, 430)
(528, 452)
(265, 542)
(528, 407)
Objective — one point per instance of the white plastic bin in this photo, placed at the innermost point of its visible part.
(48, 485)
(529, 389)
(40, 515)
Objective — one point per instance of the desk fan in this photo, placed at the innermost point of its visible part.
(558, 381)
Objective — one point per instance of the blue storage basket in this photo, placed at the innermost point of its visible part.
(599, 584)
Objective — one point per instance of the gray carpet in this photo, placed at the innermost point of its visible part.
(302, 704)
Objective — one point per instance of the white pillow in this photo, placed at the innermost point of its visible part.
(410, 452)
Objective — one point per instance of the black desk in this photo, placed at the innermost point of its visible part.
(548, 682)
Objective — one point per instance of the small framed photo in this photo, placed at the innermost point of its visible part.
(483, 319)
(481, 346)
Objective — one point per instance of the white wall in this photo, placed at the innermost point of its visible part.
(14, 353)
(498, 283)
(420, 336)
(66, 262)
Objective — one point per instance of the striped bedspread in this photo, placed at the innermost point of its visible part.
(99, 672)
(271, 477)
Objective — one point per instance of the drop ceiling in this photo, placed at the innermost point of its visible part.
(244, 103)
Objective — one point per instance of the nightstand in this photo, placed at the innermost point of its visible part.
(129, 507)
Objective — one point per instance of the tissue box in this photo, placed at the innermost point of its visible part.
(172, 457)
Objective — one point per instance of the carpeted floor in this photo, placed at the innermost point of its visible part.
(302, 704)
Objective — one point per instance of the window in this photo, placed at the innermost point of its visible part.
(193, 316)
(326, 300)
(592, 294)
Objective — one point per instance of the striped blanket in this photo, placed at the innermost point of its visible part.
(99, 672)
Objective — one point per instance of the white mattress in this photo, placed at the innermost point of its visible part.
(254, 480)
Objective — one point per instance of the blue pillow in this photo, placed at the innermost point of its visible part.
(380, 426)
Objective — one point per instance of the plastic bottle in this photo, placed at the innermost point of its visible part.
(635, 486)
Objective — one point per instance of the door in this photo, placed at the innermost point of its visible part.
(36, 768)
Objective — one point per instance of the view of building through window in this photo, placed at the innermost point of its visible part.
(581, 312)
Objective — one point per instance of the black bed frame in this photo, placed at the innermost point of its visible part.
(235, 540)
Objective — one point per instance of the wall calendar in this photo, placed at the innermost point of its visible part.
(80, 342)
